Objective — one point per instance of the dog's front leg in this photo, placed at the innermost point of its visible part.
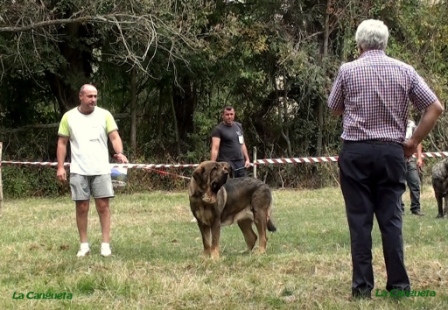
(439, 199)
(206, 238)
(216, 232)
(445, 209)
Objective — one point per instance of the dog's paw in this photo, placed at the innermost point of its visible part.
(259, 251)
(245, 252)
(214, 254)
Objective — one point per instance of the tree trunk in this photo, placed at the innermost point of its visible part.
(320, 108)
(176, 128)
(133, 111)
(185, 99)
(68, 77)
(285, 129)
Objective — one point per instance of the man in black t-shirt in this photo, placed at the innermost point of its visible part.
(228, 143)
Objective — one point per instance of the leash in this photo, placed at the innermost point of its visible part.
(238, 169)
(166, 173)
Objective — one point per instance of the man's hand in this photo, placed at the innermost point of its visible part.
(409, 147)
(419, 163)
(247, 163)
(121, 158)
(61, 174)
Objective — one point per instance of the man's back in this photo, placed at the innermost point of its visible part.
(375, 90)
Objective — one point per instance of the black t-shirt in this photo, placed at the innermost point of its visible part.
(231, 141)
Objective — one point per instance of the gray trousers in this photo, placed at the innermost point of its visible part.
(413, 181)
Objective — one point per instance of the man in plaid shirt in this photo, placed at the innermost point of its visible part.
(373, 93)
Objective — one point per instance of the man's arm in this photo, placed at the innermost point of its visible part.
(337, 112)
(246, 155)
(61, 152)
(426, 124)
(336, 97)
(215, 148)
(117, 144)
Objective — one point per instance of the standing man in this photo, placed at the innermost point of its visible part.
(413, 166)
(228, 143)
(372, 93)
(87, 127)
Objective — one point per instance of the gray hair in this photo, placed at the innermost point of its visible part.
(372, 34)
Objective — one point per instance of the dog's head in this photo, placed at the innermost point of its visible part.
(211, 175)
(440, 170)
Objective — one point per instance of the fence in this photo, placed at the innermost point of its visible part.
(256, 163)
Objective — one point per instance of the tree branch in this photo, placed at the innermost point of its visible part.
(53, 22)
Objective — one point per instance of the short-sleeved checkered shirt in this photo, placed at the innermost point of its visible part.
(374, 92)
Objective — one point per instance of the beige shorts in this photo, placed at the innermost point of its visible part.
(85, 186)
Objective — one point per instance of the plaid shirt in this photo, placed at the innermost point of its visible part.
(374, 92)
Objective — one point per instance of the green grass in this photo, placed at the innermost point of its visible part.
(157, 262)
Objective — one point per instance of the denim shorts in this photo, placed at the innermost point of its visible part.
(85, 186)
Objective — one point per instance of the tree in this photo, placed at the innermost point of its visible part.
(62, 42)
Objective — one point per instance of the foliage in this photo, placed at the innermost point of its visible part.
(31, 181)
(182, 61)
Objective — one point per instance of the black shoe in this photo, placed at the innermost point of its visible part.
(361, 294)
(418, 213)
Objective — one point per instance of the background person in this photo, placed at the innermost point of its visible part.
(413, 167)
(372, 93)
(228, 143)
(88, 127)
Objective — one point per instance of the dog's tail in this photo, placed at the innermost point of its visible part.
(271, 226)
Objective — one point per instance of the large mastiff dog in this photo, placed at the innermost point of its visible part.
(217, 200)
(440, 185)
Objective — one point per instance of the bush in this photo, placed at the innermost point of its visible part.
(22, 181)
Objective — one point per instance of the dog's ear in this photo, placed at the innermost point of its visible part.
(202, 173)
(209, 167)
(198, 175)
(228, 167)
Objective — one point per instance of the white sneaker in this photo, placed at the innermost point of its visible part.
(105, 249)
(84, 250)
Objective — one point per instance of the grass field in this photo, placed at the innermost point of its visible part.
(157, 263)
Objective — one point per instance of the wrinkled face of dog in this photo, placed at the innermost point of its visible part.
(219, 176)
(212, 174)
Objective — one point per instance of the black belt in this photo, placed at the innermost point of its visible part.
(373, 142)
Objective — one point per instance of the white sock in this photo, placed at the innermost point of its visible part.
(105, 244)
(84, 245)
